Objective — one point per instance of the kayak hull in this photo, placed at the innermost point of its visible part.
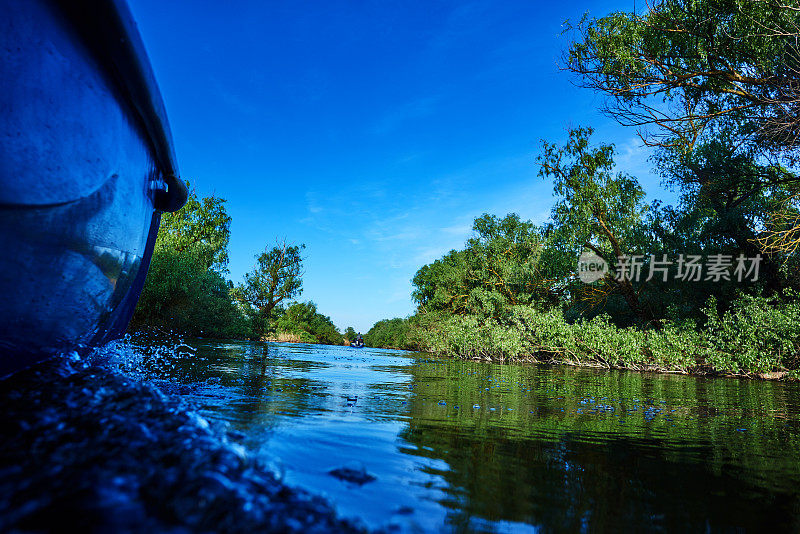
(83, 180)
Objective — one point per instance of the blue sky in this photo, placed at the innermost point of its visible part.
(373, 132)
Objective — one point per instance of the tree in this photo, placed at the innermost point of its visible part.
(277, 277)
(508, 251)
(203, 226)
(729, 199)
(498, 268)
(683, 70)
(303, 320)
(596, 208)
(444, 285)
(389, 334)
(185, 290)
(350, 334)
(682, 65)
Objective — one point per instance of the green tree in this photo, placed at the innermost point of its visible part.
(728, 199)
(682, 71)
(185, 290)
(390, 334)
(350, 334)
(707, 60)
(499, 267)
(506, 256)
(277, 277)
(303, 320)
(444, 284)
(202, 226)
(597, 209)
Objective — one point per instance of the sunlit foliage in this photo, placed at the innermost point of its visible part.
(185, 290)
(276, 278)
(390, 334)
(303, 320)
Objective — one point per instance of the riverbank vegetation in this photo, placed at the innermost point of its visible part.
(187, 291)
(706, 285)
(391, 334)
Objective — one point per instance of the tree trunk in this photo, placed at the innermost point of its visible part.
(625, 286)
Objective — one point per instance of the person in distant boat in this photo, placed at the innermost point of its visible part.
(359, 340)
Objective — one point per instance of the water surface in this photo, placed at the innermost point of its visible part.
(472, 446)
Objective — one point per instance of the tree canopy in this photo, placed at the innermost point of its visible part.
(303, 320)
(390, 334)
(202, 226)
(498, 267)
(597, 208)
(185, 290)
(683, 65)
(276, 278)
(685, 72)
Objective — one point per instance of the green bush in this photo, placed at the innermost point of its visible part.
(303, 320)
(756, 335)
(182, 295)
(391, 334)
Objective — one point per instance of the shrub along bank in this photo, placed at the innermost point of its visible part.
(757, 336)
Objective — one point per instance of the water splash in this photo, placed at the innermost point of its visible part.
(92, 442)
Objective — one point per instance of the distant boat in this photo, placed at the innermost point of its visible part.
(356, 346)
(86, 168)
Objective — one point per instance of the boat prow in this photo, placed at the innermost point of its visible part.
(86, 168)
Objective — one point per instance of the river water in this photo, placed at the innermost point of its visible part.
(442, 445)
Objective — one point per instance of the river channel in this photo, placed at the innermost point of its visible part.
(411, 442)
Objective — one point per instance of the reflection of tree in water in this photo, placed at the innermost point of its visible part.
(263, 384)
(566, 470)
